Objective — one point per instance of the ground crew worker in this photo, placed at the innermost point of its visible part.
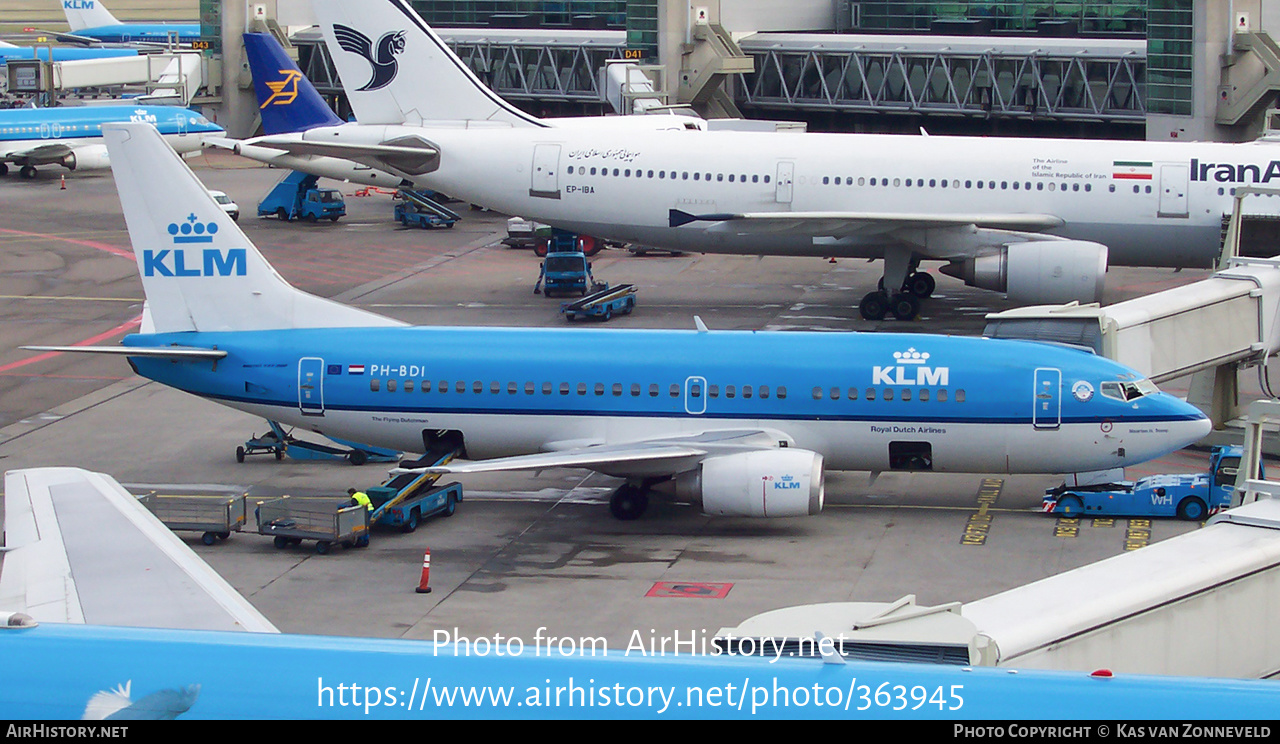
(360, 497)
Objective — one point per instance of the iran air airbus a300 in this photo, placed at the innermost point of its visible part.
(71, 136)
(742, 422)
(1038, 219)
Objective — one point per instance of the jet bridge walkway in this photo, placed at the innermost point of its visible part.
(1217, 326)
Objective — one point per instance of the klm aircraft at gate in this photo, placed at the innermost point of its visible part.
(92, 23)
(743, 423)
(71, 136)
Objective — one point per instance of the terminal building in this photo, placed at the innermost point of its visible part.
(1152, 69)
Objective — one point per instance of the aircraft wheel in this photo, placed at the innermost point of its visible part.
(628, 502)
(28, 172)
(4, 169)
(921, 284)
(874, 306)
(1070, 506)
(905, 306)
(1191, 509)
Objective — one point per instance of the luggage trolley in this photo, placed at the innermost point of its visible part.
(327, 521)
(216, 517)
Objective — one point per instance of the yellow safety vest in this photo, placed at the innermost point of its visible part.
(362, 498)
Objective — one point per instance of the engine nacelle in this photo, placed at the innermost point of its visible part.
(762, 483)
(92, 157)
(1039, 272)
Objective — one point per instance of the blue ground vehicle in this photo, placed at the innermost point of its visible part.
(296, 197)
(603, 304)
(407, 498)
(1191, 496)
(417, 209)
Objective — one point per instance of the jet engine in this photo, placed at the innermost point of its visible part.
(1038, 272)
(93, 157)
(761, 483)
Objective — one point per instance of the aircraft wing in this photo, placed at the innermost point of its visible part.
(39, 155)
(845, 224)
(79, 548)
(648, 457)
(158, 352)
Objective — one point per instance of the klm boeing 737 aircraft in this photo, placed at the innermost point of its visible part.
(1037, 219)
(59, 54)
(743, 423)
(71, 136)
(92, 23)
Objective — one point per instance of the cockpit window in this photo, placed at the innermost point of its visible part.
(1127, 391)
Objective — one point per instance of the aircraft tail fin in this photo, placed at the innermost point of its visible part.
(199, 271)
(82, 14)
(286, 98)
(396, 70)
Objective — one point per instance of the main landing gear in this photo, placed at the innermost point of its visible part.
(629, 501)
(904, 304)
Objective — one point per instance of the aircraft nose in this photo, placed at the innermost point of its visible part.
(1195, 427)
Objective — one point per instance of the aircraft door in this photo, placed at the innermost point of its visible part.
(1173, 190)
(1047, 414)
(786, 175)
(545, 173)
(695, 395)
(46, 131)
(311, 386)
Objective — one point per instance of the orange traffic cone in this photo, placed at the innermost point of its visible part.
(64, 184)
(423, 587)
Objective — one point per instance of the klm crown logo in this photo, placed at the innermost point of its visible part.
(193, 230)
(209, 262)
(910, 369)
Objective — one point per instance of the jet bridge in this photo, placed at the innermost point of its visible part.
(1199, 604)
(1216, 326)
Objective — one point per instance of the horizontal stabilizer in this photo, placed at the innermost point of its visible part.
(408, 155)
(160, 352)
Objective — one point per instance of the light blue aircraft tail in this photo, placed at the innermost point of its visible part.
(287, 100)
(199, 271)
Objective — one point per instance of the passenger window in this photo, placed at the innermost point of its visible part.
(425, 386)
(746, 391)
(460, 386)
(564, 388)
(443, 386)
(871, 393)
(391, 386)
(617, 389)
(782, 393)
(582, 388)
(495, 387)
(924, 394)
(713, 391)
(408, 386)
(888, 394)
(675, 391)
(653, 390)
(817, 393)
(599, 388)
(942, 396)
(635, 389)
(906, 393)
(959, 396)
(477, 387)
(512, 388)
(853, 393)
(547, 388)
(764, 392)
(374, 385)
(529, 388)
(695, 390)
(729, 391)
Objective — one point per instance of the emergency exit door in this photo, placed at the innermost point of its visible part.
(545, 173)
(311, 386)
(1173, 190)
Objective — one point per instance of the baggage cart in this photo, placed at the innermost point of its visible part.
(328, 521)
(216, 516)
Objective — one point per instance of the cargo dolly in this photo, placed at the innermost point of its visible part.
(328, 521)
(602, 304)
(217, 517)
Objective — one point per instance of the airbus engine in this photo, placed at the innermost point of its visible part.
(93, 157)
(1038, 272)
(762, 483)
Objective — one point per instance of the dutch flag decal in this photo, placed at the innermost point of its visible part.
(355, 369)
